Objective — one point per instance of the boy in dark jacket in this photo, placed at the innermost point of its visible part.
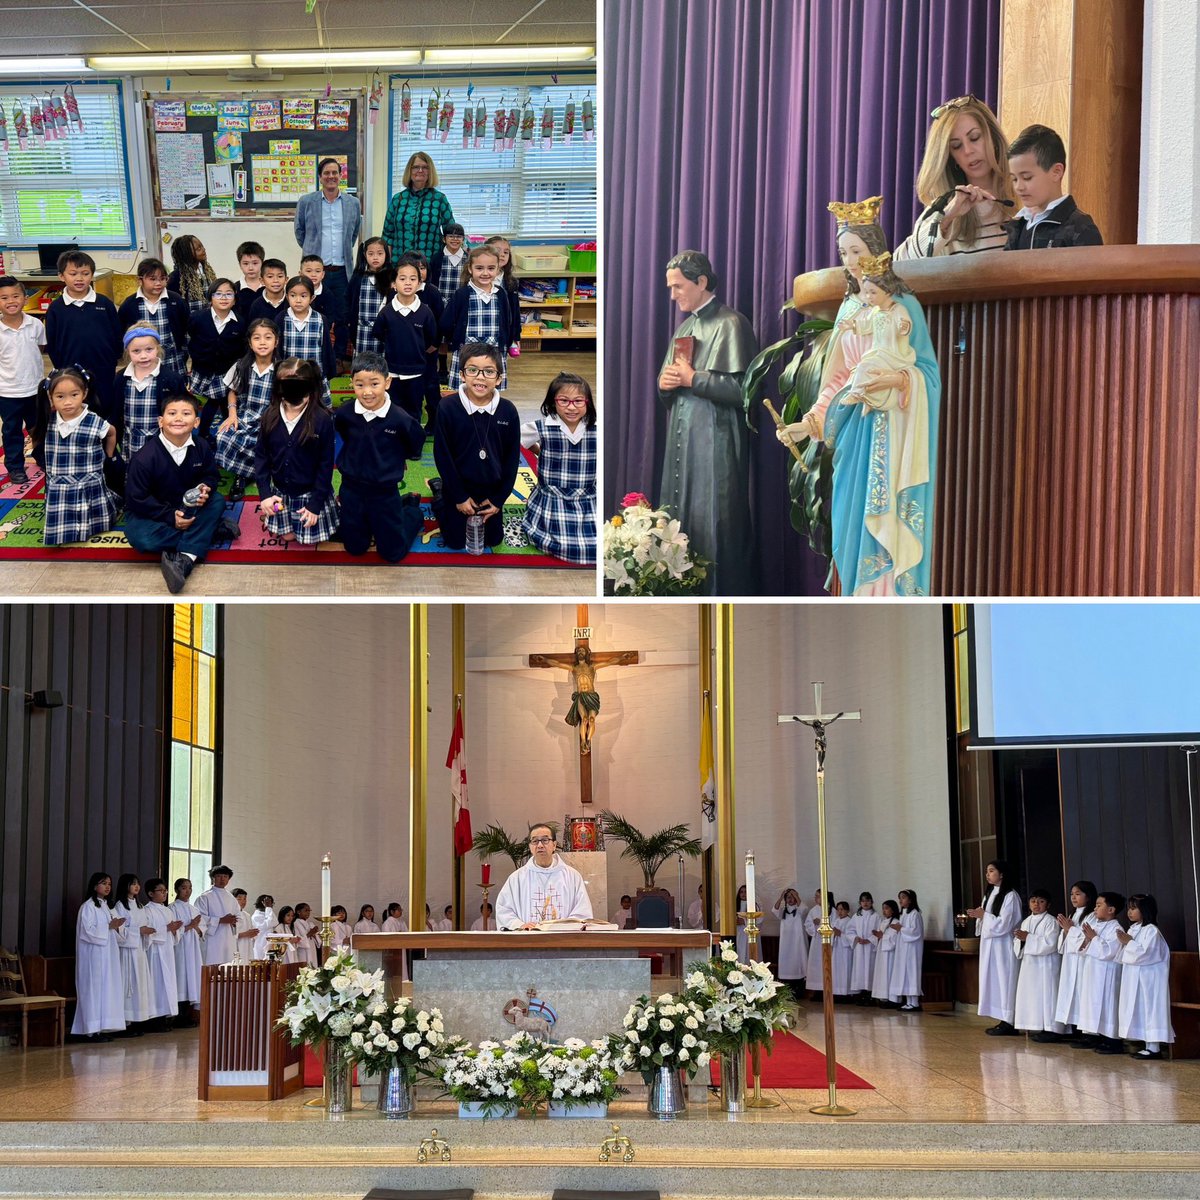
(1037, 161)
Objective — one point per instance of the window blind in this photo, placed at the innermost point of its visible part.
(67, 189)
(527, 193)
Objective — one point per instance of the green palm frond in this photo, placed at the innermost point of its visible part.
(651, 850)
(495, 839)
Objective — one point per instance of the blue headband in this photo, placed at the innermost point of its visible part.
(130, 334)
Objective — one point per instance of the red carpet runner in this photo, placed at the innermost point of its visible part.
(795, 1064)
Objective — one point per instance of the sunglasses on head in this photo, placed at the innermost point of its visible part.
(951, 105)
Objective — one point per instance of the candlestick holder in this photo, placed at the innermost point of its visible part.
(485, 888)
(756, 1099)
(326, 931)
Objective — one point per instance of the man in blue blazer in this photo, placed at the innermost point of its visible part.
(328, 223)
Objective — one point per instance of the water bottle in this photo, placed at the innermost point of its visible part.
(475, 534)
(192, 500)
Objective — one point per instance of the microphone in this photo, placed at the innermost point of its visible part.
(939, 205)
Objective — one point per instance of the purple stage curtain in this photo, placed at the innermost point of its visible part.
(729, 126)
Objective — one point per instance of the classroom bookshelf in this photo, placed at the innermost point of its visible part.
(569, 302)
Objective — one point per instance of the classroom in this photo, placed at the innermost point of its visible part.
(160, 130)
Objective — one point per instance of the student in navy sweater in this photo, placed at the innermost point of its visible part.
(82, 329)
(378, 439)
(477, 448)
(271, 302)
(154, 304)
(409, 333)
(156, 519)
(430, 296)
(250, 257)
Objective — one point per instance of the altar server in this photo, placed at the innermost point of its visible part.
(160, 954)
(309, 929)
(189, 952)
(995, 920)
(544, 889)
(446, 924)
(395, 922)
(366, 922)
(1070, 941)
(1099, 999)
(910, 953)
(793, 941)
(862, 937)
(100, 1004)
(341, 927)
(219, 910)
(1035, 945)
(814, 978)
(263, 920)
(131, 938)
(695, 913)
(286, 928)
(485, 922)
(843, 949)
(1144, 1012)
(886, 937)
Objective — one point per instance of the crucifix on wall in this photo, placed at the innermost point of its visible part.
(582, 664)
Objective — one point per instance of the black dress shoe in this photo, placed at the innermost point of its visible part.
(176, 568)
(1004, 1029)
(1044, 1036)
(1111, 1046)
(228, 530)
(1083, 1041)
(18, 477)
(1143, 1054)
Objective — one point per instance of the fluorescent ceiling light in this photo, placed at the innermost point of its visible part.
(484, 55)
(41, 66)
(319, 59)
(164, 64)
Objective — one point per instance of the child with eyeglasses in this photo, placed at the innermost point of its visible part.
(560, 518)
(477, 449)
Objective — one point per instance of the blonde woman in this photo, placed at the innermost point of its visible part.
(963, 184)
(418, 214)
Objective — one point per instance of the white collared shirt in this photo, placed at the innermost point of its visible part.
(317, 289)
(300, 326)
(1031, 219)
(21, 357)
(219, 321)
(230, 375)
(369, 414)
(245, 283)
(176, 452)
(471, 408)
(406, 309)
(140, 385)
(90, 298)
(455, 260)
(531, 437)
(290, 425)
(151, 305)
(486, 297)
(66, 428)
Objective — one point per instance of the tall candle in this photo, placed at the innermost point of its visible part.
(750, 905)
(486, 870)
(326, 903)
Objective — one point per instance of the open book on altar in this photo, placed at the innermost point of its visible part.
(574, 925)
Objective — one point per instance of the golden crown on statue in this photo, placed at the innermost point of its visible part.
(861, 212)
(875, 266)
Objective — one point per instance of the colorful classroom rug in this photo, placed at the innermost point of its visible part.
(793, 1063)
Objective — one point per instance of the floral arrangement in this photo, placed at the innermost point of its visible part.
(742, 1003)
(667, 1031)
(399, 1035)
(524, 1073)
(324, 1002)
(647, 553)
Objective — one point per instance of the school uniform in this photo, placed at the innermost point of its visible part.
(909, 956)
(301, 474)
(87, 332)
(135, 967)
(843, 954)
(1037, 983)
(78, 502)
(560, 515)
(512, 293)
(189, 954)
(215, 344)
(204, 278)
(1060, 224)
(1070, 976)
(813, 970)
(365, 302)
(100, 1000)
(169, 315)
(263, 306)
(1099, 997)
(263, 919)
(445, 272)
(885, 957)
(140, 401)
(408, 333)
(159, 475)
(473, 315)
(862, 968)
(235, 448)
(160, 957)
(997, 966)
(436, 303)
(477, 452)
(245, 300)
(376, 448)
(20, 377)
(306, 339)
(1144, 1009)
(219, 940)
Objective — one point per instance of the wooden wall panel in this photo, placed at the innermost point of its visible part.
(80, 786)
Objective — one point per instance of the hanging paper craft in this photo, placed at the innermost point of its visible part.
(73, 108)
(480, 123)
(201, 108)
(468, 125)
(589, 120)
(35, 119)
(48, 119)
(499, 125)
(511, 126)
(569, 121)
(60, 116)
(21, 125)
(431, 115)
(264, 116)
(374, 101)
(446, 118)
(405, 107)
(3, 130)
(547, 126)
(527, 122)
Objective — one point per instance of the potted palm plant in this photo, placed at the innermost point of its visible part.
(495, 839)
(649, 850)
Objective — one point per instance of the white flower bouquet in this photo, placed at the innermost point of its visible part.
(323, 1002)
(742, 1003)
(399, 1035)
(667, 1031)
(646, 553)
(581, 1073)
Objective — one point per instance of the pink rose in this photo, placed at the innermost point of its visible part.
(635, 500)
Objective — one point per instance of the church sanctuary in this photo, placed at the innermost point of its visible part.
(945, 856)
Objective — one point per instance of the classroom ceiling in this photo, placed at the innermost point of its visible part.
(83, 27)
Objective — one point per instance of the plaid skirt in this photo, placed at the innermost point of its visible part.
(235, 448)
(287, 521)
(562, 523)
(77, 508)
(208, 386)
(141, 420)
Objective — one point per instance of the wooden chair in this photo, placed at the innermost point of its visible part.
(15, 1001)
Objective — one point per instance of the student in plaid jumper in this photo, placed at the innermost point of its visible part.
(71, 442)
(143, 383)
(251, 382)
(303, 332)
(507, 282)
(167, 311)
(217, 340)
(479, 312)
(370, 286)
(446, 266)
(293, 460)
(560, 517)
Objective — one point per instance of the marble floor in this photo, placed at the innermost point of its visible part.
(927, 1067)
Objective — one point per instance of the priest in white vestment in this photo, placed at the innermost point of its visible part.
(220, 912)
(544, 889)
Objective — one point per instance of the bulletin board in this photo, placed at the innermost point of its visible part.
(222, 155)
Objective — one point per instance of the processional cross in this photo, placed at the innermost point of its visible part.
(819, 722)
(582, 664)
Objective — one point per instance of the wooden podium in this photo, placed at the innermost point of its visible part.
(242, 1055)
(1070, 417)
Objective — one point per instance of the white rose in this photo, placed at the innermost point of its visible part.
(393, 1047)
(645, 1052)
(735, 977)
(666, 1024)
(356, 1040)
(729, 955)
(423, 1052)
(684, 1056)
(691, 1023)
(634, 1036)
(397, 1024)
(359, 1019)
(689, 1040)
(643, 1025)
(665, 1049)
(411, 1041)
(381, 1039)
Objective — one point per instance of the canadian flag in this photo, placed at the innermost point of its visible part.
(456, 761)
